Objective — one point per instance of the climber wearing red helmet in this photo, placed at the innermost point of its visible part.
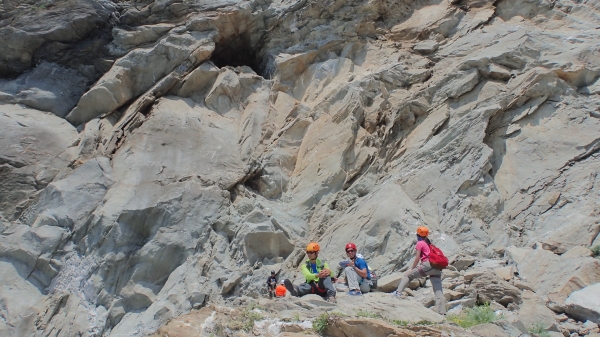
(357, 272)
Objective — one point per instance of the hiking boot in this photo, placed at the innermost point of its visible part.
(290, 287)
(331, 299)
(398, 295)
(355, 292)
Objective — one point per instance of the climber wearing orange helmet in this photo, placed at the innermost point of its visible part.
(422, 268)
(357, 272)
(317, 275)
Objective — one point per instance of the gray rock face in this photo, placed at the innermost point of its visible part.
(48, 87)
(584, 304)
(33, 149)
(30, 28)
(229, 134)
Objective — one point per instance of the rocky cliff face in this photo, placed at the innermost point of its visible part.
(159, 156)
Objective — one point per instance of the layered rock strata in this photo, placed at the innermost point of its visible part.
(160, 156)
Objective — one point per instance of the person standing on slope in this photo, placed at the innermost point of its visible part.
(317, 275)
(422, 268)
(357, 272)
(272, 283)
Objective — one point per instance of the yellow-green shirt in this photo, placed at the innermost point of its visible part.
(308, 270)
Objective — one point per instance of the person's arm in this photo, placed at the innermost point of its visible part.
(308, 275)
(361, 272)
(417, 259)
(325, 272)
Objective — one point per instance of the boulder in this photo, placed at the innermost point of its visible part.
(465, 302)
(578, 251)
(426, 47)
(505, 273)
(561, 275)
(492, 288)
(533, 312)
(592, 89)
(584, 304)
(463, 262)
(472, 274)
(522, 285)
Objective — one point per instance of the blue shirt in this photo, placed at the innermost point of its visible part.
(362, 264)
(313, 268)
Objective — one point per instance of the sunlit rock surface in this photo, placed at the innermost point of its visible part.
(162, 156)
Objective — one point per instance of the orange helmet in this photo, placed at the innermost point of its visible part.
(423, 231)
(313, 247)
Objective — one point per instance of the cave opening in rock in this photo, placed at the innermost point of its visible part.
(253, 181)
(237, 51)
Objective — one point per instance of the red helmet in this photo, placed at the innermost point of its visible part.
(350, 246)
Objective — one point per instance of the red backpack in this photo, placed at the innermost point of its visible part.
(437, 259)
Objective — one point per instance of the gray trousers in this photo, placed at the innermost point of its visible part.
(322, 288)
(354, 281)
(435, 276)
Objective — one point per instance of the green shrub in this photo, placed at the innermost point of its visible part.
(596, 250)
(539, 331)
(474, 316)
(399, 322)
(247, 319)
(320, 324)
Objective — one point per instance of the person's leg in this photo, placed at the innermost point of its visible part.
(365, 287)
(328, 285)
(409, 276)
(435, 276)
(291, 288)
(353, 278)
(304, 289)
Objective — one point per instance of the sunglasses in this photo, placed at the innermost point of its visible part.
(311, 252)
(350, 251)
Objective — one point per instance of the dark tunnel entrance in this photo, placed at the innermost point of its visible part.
(235, 52)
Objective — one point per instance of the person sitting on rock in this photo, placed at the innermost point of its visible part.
(422, 268)
(317, 275)
(280, 290)
(357, 272)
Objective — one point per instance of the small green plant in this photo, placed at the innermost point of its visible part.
(596, 250)
(252, 305)
(539, 331)
(320, 324)
(368, 314)
(399, 322)
(247, 319)
(474, 316)
(296, 317)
